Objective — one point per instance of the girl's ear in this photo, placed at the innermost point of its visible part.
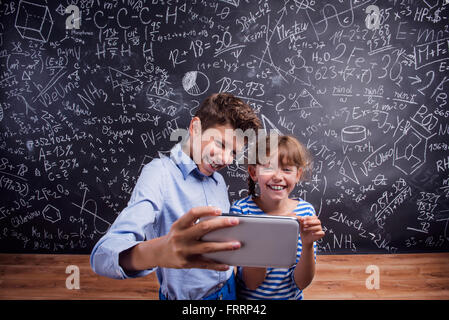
(252, 172)
(299, 174)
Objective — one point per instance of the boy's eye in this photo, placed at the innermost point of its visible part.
(219, 143)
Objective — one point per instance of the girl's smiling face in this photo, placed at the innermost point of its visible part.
(276, 179)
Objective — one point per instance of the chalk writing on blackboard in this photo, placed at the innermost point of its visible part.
(91, 91)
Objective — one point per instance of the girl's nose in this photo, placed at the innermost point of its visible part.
(277, 174)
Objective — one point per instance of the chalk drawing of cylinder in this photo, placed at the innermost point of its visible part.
(33, 21)
(353, 134)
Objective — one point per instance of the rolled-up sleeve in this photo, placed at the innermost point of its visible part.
(132, 226)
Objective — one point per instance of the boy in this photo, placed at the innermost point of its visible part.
(157, 230)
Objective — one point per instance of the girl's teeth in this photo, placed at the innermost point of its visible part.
(277, 187)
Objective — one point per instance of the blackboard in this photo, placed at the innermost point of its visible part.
(91, 90)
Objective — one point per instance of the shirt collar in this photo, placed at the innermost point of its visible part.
(187, 165)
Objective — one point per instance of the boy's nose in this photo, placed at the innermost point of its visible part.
(227, 158)
(221, 158)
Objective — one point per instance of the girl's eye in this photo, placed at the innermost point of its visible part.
(289, 170)
(267, 168)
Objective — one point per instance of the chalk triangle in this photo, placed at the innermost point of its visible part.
(25, 76)
(347, 170)
(121, 79)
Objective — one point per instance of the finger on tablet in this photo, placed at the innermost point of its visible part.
(206, 226)
(207, 247)
(194, 214)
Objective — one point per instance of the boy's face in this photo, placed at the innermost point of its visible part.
(215, 148)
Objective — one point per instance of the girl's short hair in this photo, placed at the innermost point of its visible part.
(291, 152)
(225, 108)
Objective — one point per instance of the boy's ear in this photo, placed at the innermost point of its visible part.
(195, 126)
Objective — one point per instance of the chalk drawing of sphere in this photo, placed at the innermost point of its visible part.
(195, 83)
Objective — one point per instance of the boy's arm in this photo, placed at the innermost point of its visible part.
(181, 247)
(130, 226)
(125, 252)
(122, 255)
(127, 231)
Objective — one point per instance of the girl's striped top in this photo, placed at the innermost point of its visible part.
(279, 283)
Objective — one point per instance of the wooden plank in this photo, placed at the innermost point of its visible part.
(389, 289)
(402, 276)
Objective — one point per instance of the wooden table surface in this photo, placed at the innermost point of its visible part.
(401, 276)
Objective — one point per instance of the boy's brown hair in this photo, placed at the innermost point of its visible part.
(225, 108)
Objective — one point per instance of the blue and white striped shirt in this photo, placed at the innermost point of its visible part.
(279, 283)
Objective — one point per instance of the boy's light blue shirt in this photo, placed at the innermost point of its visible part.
(167, 188)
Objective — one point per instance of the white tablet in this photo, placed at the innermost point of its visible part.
(267, 241)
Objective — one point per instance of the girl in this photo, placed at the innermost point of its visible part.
(276, 177)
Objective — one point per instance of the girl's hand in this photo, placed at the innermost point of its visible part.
(310, 229)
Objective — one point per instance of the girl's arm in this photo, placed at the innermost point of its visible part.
(305, 268)
(311, 231)
(253, 276)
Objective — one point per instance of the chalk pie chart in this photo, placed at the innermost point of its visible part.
(195, 83)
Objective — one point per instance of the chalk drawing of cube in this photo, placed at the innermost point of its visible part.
(33, 21)
(51, 213)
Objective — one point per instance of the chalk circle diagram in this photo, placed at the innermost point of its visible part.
(101, 225)
(195, 83)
